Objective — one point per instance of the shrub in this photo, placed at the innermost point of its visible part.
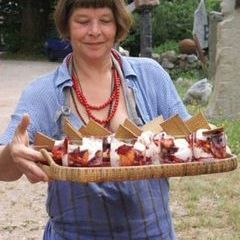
(166, 46)
(172, 20)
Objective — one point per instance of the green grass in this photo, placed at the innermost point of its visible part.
(207, 207)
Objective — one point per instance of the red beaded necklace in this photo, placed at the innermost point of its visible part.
(114, 98)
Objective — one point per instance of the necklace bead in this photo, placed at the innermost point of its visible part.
(113, 99)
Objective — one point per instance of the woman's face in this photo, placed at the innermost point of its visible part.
(92, 32)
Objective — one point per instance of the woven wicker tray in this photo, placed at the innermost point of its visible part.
(105, 174)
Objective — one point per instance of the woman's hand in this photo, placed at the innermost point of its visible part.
(25, 157)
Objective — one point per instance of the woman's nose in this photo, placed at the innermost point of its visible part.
(95, 29)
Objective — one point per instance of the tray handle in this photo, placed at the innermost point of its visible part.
(48, 157)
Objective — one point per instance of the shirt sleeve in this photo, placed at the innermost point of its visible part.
(40, 103)
(164, 94)
(23, 106)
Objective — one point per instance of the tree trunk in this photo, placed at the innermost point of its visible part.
(35, 23)
(145, 32)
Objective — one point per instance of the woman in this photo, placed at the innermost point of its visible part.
(94, 82)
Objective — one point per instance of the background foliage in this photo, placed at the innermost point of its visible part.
(12, 24)
(27, 23)
(172, 20)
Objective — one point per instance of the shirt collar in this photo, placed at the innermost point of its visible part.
(127, 68)
(64, 78)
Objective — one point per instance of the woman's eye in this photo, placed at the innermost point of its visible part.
(106, 20)
(82, 22)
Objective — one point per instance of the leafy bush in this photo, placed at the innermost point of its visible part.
(13, 41)
(213, 5)
(172, 20)
(10, 30)
(166, 46)
(132, 42)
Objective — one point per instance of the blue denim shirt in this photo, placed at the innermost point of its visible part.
(113, 210)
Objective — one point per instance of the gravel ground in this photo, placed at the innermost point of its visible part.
(22, 205)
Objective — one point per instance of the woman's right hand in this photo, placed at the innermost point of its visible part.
(23, 156)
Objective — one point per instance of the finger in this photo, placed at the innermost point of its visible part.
(31, 169)
(22, 126)
(28, 154)
(32, 178)
(35, 156)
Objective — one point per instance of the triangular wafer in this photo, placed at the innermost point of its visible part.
(95, 129)
(70, 131)
(175, 126)
(124, 133)
(196, 122)
(132, 127)
(154, 125)
(83, 131)
(43, 141)
(214, 131)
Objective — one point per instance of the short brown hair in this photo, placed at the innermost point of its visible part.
(65, 8)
